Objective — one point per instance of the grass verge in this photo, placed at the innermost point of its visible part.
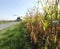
(13, 37)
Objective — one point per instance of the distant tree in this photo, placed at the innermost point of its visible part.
(18, 19)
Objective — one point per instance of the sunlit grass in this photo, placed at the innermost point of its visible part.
(12, 37)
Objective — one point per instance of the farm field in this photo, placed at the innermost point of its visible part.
(1, 22)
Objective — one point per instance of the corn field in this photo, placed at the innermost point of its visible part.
(43, 30)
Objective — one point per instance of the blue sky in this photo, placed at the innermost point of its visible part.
(8, 8)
